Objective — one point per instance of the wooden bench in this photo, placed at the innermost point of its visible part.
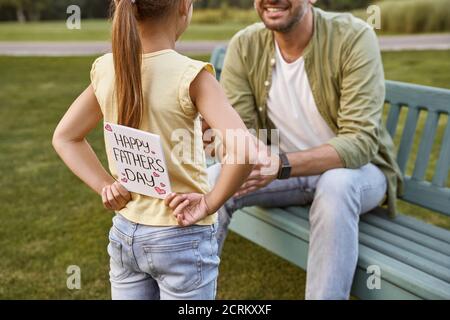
(413, 257)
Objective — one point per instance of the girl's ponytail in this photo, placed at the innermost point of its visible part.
(127, 55)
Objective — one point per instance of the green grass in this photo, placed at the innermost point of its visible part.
(99, 30)
(50, 220)
(398, 17)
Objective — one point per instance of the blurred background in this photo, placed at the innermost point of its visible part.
(50, 220)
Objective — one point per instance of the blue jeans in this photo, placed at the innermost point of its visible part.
(338, 198)
(151, 263)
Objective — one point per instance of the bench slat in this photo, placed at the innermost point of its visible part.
(406, 257)
(414, 224)
(280, 218)
(407, 138)
(217, 60)
(423, 193)
(252, 225)
(441, 174)
(401, 220)
(404, 244)
(426, 145)
(398, 246)
(404, 276)
(409, 234)
(392, 120)
(398, 279)
(413, 95)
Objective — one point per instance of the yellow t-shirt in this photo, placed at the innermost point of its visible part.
(170, 113)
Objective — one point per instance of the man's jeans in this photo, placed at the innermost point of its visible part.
(151, 263)
(338, 197)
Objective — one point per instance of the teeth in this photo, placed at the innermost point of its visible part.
(274, 9)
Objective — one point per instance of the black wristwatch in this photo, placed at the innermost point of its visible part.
(285, 168)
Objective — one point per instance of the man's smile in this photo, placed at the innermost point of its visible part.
(275, 12)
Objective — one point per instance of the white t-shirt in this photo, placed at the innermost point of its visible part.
(292, 109)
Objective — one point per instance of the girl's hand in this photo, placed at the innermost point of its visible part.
(188, 208)
(115, 197)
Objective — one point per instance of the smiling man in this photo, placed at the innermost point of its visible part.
(318, 78)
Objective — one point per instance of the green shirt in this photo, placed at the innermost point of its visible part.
(345, 71)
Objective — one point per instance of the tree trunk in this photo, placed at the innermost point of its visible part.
(20, 14)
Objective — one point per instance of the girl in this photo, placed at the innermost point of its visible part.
(158, 249)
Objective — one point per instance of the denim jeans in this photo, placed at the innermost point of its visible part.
(151, 263)
(338, 198)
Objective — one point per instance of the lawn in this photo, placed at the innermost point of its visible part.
(51, 221)
(99, 30)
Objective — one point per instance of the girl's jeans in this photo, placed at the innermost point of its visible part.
(337, 198)
(162, 262)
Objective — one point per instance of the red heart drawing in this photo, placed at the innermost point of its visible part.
(160, 191)
(108, 128)
(155, 174)
(162, 185)
(124, 180)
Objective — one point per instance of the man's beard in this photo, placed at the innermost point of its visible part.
(287, 27)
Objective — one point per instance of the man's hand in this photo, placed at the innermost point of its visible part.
(188, 208)
(262, 174)
(115, 197)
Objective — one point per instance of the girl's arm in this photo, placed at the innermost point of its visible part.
(69, 141)
(212, 103)
(240, 146)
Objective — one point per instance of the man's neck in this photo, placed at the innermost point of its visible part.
(293, 43)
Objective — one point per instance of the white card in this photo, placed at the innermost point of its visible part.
(139, 158)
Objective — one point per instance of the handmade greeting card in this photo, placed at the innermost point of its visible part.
(139, 159)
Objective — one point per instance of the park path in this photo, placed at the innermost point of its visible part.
(387, 43)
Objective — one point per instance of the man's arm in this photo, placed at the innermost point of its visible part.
(310, 162)
(359, 114)
(361, 103)
(359, 118)
(314, 161)
(235, 82)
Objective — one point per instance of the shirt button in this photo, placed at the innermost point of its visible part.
(261, 109)
(272, 62)
(267, 83)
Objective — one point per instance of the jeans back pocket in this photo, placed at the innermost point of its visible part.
(177, 265)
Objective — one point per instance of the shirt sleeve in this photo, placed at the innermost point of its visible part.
(191, 73)
(361, 102)
(236, 84)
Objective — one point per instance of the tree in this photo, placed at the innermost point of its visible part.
(26, 9)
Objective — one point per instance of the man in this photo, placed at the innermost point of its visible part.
(318, 78)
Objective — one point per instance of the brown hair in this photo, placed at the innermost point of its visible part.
(127, 54)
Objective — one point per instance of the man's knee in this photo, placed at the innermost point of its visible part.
(336, 196)
(337, 184)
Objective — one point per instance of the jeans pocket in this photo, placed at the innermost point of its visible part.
(177, 265)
